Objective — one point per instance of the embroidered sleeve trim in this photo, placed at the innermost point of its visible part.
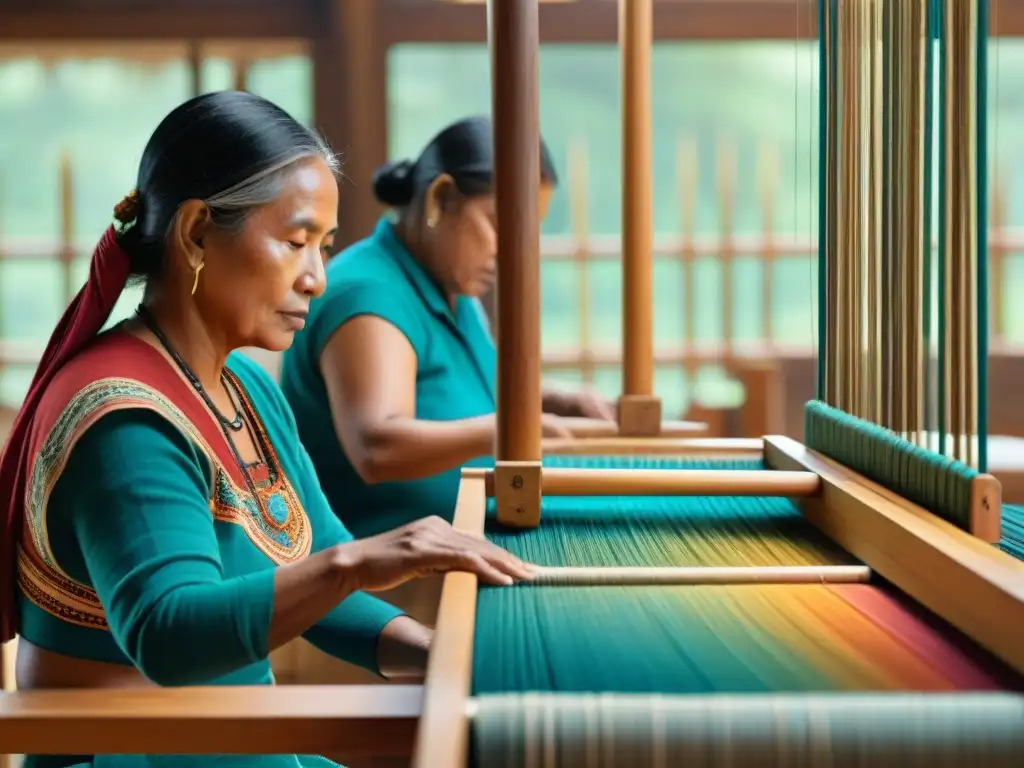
(283, 533)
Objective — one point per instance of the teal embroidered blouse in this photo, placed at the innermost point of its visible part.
(455, 376)
(183, 573)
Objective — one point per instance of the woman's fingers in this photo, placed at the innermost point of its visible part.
(432, 545)
(492, 564)
(555, 427)
(508, 563)
(474, 562)
(595, 407)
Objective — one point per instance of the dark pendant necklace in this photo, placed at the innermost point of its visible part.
(227, 427)
(235, 424)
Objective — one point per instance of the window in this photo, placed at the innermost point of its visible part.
(75, 123)
(749, 106)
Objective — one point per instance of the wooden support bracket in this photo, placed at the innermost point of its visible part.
(517, 489)
(639, 416)
(986, 520)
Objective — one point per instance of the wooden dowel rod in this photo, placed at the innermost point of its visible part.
(635, 35)
(583, 427)
(657, 446)
(671, 482)
(801, 574)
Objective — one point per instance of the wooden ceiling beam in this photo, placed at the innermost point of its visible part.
(423, 21)
(592, 21)
(146, 19)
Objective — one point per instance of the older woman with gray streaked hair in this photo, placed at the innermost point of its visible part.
(164, 523)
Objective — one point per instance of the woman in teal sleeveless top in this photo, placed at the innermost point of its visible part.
(392, 380)
(165, 523)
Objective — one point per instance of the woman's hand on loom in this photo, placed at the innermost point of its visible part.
(553, 426)
(402, 650)
(582, 404)
(423, 548)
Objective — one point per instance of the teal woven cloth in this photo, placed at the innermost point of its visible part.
(1013, 531)
(665, 531)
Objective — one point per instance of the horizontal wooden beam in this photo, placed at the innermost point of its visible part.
(746, 449)
(589, 21)
(155, 51)
(358, 721)
(146, 19)
(421, 21)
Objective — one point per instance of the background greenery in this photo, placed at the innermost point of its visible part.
(755, 95)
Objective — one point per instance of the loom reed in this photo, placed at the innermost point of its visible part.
(879, 187)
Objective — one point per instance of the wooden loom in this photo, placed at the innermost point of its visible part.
(952, 570)
(639, 413)
(953, 573)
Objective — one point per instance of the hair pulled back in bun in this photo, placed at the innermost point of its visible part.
(393, 183)
(464, 151)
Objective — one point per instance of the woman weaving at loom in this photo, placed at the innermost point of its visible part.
(172, 529)
(392, 382)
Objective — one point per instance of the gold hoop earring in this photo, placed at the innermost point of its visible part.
(195, 283)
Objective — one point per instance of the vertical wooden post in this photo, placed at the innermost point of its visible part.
(688, 173)
(241, 63)
(768, 191)
(195, 66)
(727, 171)
(350, 106)
(579, 207)
(639, 409)
(8, 654)
(514, 37)
(67, 230)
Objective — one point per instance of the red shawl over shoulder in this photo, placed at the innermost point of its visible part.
(82, 320)
(70, 363)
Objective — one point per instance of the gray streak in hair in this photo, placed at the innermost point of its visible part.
(230, 207)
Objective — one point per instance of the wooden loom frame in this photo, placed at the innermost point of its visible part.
(965, 581)
(975, 587)
(970, 584)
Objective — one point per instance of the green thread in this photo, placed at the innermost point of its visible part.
(940, 256)
(823, 111)
(1013, 531)
(939, 484)
(665, 531)
(929, 200)
(982, 231)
